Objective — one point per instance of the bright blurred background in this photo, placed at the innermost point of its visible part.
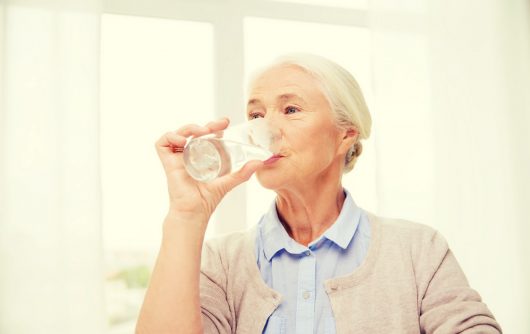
(87, 86)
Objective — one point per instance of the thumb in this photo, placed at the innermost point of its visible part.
(230, 181)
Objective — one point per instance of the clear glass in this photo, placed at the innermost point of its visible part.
(211, 156)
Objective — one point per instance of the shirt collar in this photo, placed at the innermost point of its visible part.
(342, 231)
(275, 237)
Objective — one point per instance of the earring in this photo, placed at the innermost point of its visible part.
(351, 154)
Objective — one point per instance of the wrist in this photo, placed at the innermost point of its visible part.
(187, 222)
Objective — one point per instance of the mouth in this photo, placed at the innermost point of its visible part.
(273, 159)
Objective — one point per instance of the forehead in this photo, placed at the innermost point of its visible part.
(285, 79)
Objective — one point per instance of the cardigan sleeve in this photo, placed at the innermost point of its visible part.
(448, 304)
(216, 313)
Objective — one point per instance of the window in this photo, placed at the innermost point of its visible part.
(156, 74)
(182, 65)
(355, 4)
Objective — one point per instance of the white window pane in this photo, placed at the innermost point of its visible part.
(156, 75)
(266, 39)
(354, 4)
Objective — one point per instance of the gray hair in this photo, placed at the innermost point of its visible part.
(342, 91)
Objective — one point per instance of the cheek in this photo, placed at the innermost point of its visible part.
(319, 143)
(302, 139)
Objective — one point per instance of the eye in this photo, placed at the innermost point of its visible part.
(291, 110)
(254, 115)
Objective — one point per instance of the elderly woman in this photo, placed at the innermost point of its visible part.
(316, 262)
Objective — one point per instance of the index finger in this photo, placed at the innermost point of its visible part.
(218, 125)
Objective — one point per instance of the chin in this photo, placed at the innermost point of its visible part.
(271, 179)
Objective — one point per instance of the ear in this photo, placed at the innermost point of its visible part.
(350, 137)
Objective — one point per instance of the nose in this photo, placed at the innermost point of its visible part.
(275, 126)
(274, 121)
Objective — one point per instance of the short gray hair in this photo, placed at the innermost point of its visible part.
(342, 91)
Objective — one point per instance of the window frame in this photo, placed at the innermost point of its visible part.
(227, 18)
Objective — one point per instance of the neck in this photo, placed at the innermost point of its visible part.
(307, 213)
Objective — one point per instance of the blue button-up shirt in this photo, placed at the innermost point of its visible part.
(299, 272)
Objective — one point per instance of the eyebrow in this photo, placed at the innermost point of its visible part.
(252, 102)
(290, 97)
(283, 97)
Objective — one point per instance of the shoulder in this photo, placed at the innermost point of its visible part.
(226, 259)
(231, 241)
(412, 236)
(410, 245)
(403, 228)
(230, 247)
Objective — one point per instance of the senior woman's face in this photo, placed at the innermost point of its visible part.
(312, 147)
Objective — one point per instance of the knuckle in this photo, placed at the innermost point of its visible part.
(187, 127)
(169, 134)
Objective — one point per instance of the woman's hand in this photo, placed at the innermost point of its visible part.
(172, 300)
(186, 195)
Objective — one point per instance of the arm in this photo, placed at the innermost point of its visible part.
(448, 304)
(172, 302)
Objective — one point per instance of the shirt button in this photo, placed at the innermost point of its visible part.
(306, 294)
(307, 253)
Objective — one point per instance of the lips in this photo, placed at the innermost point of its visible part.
(273, 159)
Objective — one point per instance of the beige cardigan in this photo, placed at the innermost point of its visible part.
(410, 282)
